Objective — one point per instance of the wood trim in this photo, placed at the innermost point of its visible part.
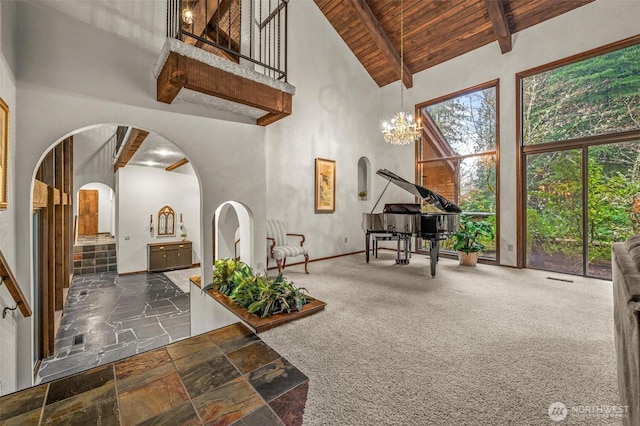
(498, 18)
(59, 243)
(181, 71)
(171, 79)
(177, 164)
(580, 56)
(455, 94)
(382, 42)
(39, 194)
(495, 84)
(67, 220)
(50, 301)
(136, 138)
(7, 277)
(631, 135)
(522, 151)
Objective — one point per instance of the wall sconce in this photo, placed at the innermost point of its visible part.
(151, 223)
(181, 224)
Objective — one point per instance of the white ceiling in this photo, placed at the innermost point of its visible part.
(156, 151)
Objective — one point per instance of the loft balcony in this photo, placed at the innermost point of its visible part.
(228, 55)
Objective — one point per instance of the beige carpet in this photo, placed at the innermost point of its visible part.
(473, 346)
(181, 277)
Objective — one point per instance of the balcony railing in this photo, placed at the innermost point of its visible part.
(239, 30)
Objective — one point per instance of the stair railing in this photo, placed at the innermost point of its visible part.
(253, 30)
(7, 277)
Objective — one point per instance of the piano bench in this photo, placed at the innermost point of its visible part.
(394, 237)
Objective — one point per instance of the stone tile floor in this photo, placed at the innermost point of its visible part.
(109, 317)
(228, 376)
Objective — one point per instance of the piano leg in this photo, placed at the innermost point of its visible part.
(404, 244)
(366, 246)
(434, 252)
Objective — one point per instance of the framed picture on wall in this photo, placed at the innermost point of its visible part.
(325, 194)
(4, 153)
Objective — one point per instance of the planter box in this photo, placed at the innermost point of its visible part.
(255, 321)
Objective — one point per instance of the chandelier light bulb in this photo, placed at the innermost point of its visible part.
(402, 130)
(187, 16)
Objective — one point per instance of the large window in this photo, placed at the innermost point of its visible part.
(581, 155)
(457, 154)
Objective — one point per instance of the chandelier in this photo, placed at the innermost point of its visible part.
(401, 129)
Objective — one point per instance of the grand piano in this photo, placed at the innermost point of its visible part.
(402, 221)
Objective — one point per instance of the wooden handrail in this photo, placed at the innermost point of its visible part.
(7, 277)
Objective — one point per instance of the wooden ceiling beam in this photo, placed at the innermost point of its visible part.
(177, 164)
(500, 24)
(200, 77)
(368, 19)
(130, 147)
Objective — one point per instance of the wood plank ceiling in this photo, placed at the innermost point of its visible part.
(434, 30)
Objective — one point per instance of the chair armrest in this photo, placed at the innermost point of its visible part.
(273, 244)
(298, 235)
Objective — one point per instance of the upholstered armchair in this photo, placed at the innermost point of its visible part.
(279, 248)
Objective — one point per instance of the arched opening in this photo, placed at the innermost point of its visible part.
(364, 175)
(94, 225)
(95, 209)
(123, 301)
(233, 234)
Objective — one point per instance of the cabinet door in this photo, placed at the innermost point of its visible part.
(172, 258)
(184, 256)
(157, 260)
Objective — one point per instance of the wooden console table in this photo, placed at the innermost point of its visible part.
(168, 255)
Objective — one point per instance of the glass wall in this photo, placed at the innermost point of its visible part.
(580, 139)
(457, 154)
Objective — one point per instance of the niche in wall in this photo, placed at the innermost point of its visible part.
(364, 177)
(233, 232)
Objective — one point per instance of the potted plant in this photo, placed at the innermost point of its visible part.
(467, 239)
(362, 194)
(183, 236)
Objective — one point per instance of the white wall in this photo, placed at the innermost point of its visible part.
(98, 48)
(105, 207)
(336, 115)
(79, 70)
(228, 159)
(585, 28)
(8, 325)
(93, 150)
(142, 192)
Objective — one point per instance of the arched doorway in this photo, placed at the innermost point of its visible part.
(84, 160)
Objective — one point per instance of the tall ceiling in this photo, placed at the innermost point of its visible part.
(434, 30)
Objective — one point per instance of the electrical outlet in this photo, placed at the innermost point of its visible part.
(346, 240)
(127, 238)
(509, 247)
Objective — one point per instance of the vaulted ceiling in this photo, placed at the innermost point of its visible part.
(434, 30)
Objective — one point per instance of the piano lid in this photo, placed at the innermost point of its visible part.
(421, 192)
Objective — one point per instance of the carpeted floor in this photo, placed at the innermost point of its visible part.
(472, 346)
(180, 277)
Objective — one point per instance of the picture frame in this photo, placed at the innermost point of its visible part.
(325, 186)
(4, 154)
